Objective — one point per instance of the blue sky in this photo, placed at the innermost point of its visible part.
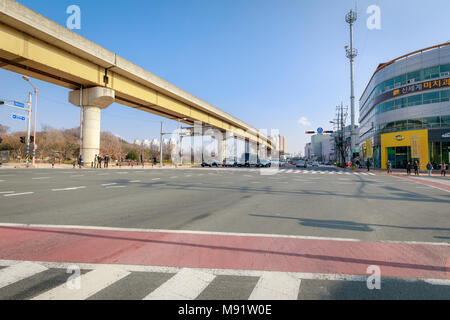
(266, 62)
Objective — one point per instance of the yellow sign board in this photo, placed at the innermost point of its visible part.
(415, 147)
(369, 148)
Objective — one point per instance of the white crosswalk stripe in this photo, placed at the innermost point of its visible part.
(90, 283)
(19, 272)
(175, 283)
(185, 285)
(276, 286)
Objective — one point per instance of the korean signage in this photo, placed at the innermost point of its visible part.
(417, 87)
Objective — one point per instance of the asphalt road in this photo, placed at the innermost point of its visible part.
(365, 207)
(323, 203)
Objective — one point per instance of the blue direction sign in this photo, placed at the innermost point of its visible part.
(319, 130)
(17, 117)
(19, 104)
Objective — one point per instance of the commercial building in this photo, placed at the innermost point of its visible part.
(282, 145)
(308, 151)
(405, 110)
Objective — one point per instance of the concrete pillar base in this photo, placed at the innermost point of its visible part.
(93, 101)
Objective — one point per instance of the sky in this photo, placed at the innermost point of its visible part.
(274, 64)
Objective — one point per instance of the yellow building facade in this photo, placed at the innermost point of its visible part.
(401, 146)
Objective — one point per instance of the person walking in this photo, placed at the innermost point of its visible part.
(429, 168)
(142, 160)
(443, 169)
(416, 168)
(368, 164)
(95, 162)
(388, 166)
(80, 161)
(408, 168)
(106, 161)
(99, 159)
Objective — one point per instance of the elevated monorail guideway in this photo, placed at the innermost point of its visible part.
(35, 46)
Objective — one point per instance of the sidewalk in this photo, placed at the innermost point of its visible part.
(402, 172)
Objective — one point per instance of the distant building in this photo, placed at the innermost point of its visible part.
(282, 144)
(308, 151)
(154, 145)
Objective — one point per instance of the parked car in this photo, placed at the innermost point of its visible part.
(210, 163)
(274, 163)
(263, 163)
(231, 162)
(301, 164)
(315, 164)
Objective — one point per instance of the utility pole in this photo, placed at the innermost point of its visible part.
(161, 146)
(351, 53)
(28, 129)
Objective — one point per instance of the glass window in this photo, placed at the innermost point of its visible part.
(431, 97)
(415, 100)
(389, 106)
(400, 124)
(431, 73)
(445, 121)
(400, 80)
(400, 103)
(389, 85)
(432, 122)
(445, 68)
(445, 95)
(415, 75)
(414, 123)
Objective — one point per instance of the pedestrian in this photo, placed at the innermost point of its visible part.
(443, 168)
(388, 166)
(95, 162)
(120, 162)
(106, 161)
(99, 159)
(74, 163)
(368, 164)
(142, 161)
(80, 161)
(408, 168)
(154, 161)
(53, 163)
(429, 168)
(416, 168)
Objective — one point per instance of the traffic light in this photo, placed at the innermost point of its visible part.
(310, 132)
(31, 139)
(22, 139)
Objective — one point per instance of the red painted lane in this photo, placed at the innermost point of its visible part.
(442, 186)
(223, 252)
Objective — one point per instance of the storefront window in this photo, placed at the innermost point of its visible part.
(415, 100)
(432, 122)
(414, 123)
(445, 121)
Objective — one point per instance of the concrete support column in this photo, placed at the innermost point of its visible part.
(92, 101)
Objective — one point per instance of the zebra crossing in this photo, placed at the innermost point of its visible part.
(26, 280)
(298, 171)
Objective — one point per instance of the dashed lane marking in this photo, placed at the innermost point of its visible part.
(17, 194)
(69, 189)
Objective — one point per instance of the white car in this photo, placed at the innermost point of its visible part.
(315, 164)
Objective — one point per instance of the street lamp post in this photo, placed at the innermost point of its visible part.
(35, 109)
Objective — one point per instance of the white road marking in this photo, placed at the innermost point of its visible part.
(17, 194)
(276, 286)
(268, 235)
(372, 174)
(109, 184)
(185, 285)
(19, 271)
(216, 272)
(69, 189)
(2, 180)
(40, 178)
(156, 179)
(115, 187)
(103, 174)
(90, 283)
(135, 181)
(3, 192)
(174, 177)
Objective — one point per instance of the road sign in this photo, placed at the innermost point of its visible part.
(19, 104)
(17, 117)
(319, 130)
